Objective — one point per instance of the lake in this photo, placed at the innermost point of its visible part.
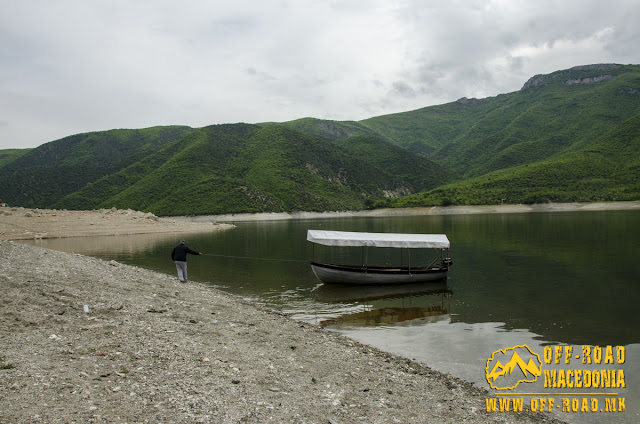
(540, 279)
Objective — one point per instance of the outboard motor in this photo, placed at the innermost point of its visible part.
(447, 262)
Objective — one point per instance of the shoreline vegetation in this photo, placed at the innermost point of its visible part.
(88, 340)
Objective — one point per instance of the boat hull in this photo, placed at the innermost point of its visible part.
(340, 274)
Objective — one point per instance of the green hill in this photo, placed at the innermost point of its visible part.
(43, 175)
(242, 168)
(327, 130)
(606, 169)
(9, 155)
(421, 173)
(571, 135)
(550, 115)
(429, 129)
(557, 139)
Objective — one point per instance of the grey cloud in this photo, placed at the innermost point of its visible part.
(236, 24)
(516, 64)
(401, 88)
(255, 61)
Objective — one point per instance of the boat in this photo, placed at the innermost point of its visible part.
(364, 273)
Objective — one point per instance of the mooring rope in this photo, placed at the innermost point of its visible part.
(252, 257)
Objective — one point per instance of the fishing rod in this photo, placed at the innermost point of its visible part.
(252, 257)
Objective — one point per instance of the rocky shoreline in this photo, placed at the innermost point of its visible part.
(89, 341)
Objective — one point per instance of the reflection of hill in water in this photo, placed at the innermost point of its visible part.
(109, 245)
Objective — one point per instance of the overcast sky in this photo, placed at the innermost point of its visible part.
(68, 67)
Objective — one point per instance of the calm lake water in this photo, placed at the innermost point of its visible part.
(536, 278)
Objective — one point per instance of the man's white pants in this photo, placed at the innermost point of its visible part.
(181, 266)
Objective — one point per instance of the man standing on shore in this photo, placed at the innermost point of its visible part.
(179, 257)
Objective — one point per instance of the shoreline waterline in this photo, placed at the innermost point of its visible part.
(417, 211)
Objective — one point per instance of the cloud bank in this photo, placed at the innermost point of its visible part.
(71, 67)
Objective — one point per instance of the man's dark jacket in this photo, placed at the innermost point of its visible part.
(179, 253)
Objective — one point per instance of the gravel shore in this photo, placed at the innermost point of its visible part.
(83, 340)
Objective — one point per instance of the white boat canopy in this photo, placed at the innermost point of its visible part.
(344, 238)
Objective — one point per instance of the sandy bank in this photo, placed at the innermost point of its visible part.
(434, 210)
(22, 224)
(149, 349)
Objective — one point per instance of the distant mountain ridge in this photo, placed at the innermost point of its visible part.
(228, 168)
(540, 79)
(572, 135)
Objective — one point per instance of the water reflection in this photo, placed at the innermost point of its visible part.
(345, 293)
(110, 246)
(412, 302)
(388, 316)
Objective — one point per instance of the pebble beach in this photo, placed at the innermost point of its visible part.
(84, 340)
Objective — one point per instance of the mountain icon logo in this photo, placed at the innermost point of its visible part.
(521, 365)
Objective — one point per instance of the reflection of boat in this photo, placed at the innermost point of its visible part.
(387, 315)
(434, 304)
(346, 293)
(436, 294)
(366, 274)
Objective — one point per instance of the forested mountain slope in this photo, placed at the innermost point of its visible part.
(215, 169)
(571, 135)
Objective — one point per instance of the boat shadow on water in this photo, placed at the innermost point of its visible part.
(426, 300)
